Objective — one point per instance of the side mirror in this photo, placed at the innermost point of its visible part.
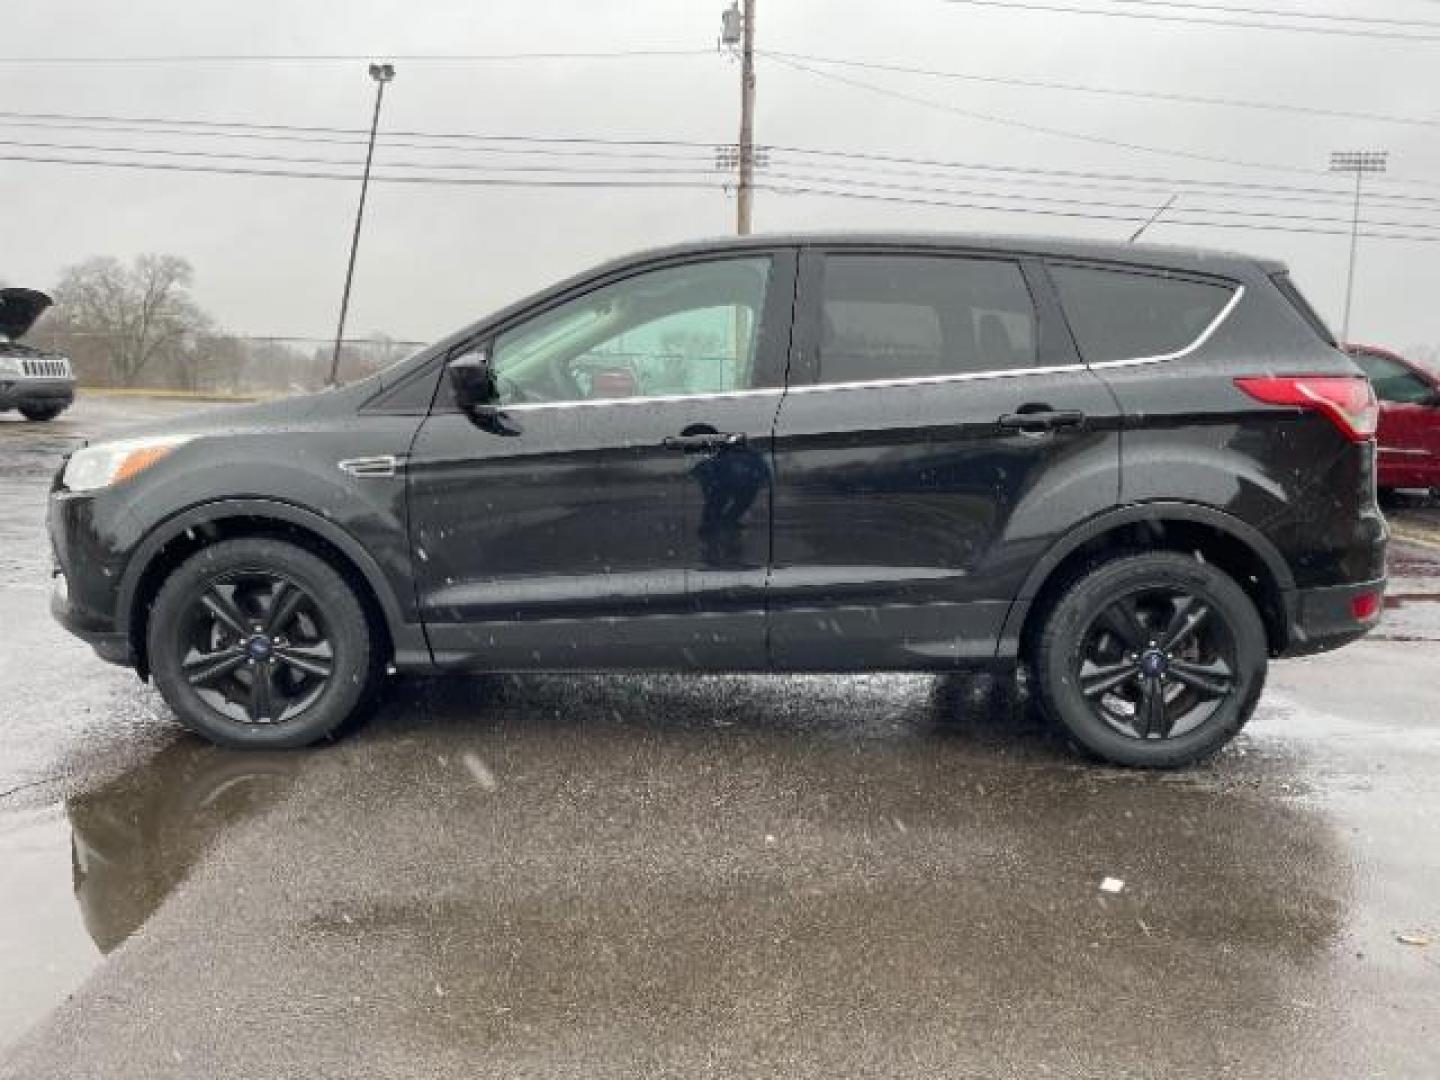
(474, 383)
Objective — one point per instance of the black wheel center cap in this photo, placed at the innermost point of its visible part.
(1154, 663)
(259, 647)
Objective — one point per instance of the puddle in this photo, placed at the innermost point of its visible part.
(81, 878)
(45, 952)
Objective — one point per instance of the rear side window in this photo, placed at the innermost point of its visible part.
(1120, 315)
(916, 316)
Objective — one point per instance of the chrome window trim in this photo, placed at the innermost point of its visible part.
(924, 380)
(929, 380)
(1205, 335)
(659, 399)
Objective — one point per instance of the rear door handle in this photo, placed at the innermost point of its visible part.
(1041, 420)
(710, 440)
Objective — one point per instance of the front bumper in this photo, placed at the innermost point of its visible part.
(1319, 620)
(86, 578)
(17, 390)
(108, 643)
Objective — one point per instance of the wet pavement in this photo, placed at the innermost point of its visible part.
(682, 876)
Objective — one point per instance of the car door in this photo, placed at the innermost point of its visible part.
(615, 511)
(938, 435)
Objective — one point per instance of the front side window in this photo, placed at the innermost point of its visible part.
(1393, 381)
(1121, 315)
(688, 329)
(889, 317)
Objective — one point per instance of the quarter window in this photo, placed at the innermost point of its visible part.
(911, 316)
(1119, 315)
(690, 329)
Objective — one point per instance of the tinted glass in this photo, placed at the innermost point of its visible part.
(1118, 315)
(682, 330)
(1392, 380)
(911, 316)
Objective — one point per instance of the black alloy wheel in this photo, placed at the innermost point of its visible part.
(257, 642)
(1156, 663)
(259, 648)
(1152, 659)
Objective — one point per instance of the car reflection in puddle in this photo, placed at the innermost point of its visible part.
(134, 839)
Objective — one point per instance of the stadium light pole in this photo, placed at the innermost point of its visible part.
(382, 74)
(1358, 162)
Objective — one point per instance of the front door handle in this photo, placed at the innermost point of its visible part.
(699, 443)
(1041, 420)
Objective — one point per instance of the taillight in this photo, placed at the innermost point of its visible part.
(1347, 401)
(1365, 607)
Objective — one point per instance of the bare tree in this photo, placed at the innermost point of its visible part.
(143, 313)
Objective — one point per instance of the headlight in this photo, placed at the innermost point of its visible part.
(11, 365)
(103, 464)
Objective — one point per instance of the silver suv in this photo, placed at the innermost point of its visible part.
(40, 384)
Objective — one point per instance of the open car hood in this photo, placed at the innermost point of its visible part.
(19, 308)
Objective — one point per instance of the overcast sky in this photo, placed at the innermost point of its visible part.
(269, 253)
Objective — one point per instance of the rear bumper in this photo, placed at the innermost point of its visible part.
(16, 391)
(1323, 619)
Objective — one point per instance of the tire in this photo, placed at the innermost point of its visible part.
(1098, 676)
(41, 413)
(313, 662)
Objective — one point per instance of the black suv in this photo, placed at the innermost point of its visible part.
(1141, 471)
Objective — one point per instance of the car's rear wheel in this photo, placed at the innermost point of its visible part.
(1152, 660)
(259, 643)
(40, 413)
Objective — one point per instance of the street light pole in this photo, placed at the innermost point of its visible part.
(382, 74)
(1358, 162)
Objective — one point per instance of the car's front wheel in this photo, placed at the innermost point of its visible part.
(1152, 660)
(40, 413)
(256, 642)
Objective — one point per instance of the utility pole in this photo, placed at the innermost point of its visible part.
(382, 74)
(747, 123)
(737, 28)
(1358, 162)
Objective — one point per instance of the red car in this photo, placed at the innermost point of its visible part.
(1409, 433)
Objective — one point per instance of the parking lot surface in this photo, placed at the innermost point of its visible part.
(687, 876)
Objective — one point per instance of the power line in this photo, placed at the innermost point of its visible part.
(314, 129)
(320, 133)
(1161, 181)
(349, 58)
(698, 168)
(1138, 207)
(804, 184)
(1318, 16)
(656, 149)
(1013, 174)
(679, 154)
(1041, 129)
(1148, 95)
(1199, 20)
(1080, 214)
